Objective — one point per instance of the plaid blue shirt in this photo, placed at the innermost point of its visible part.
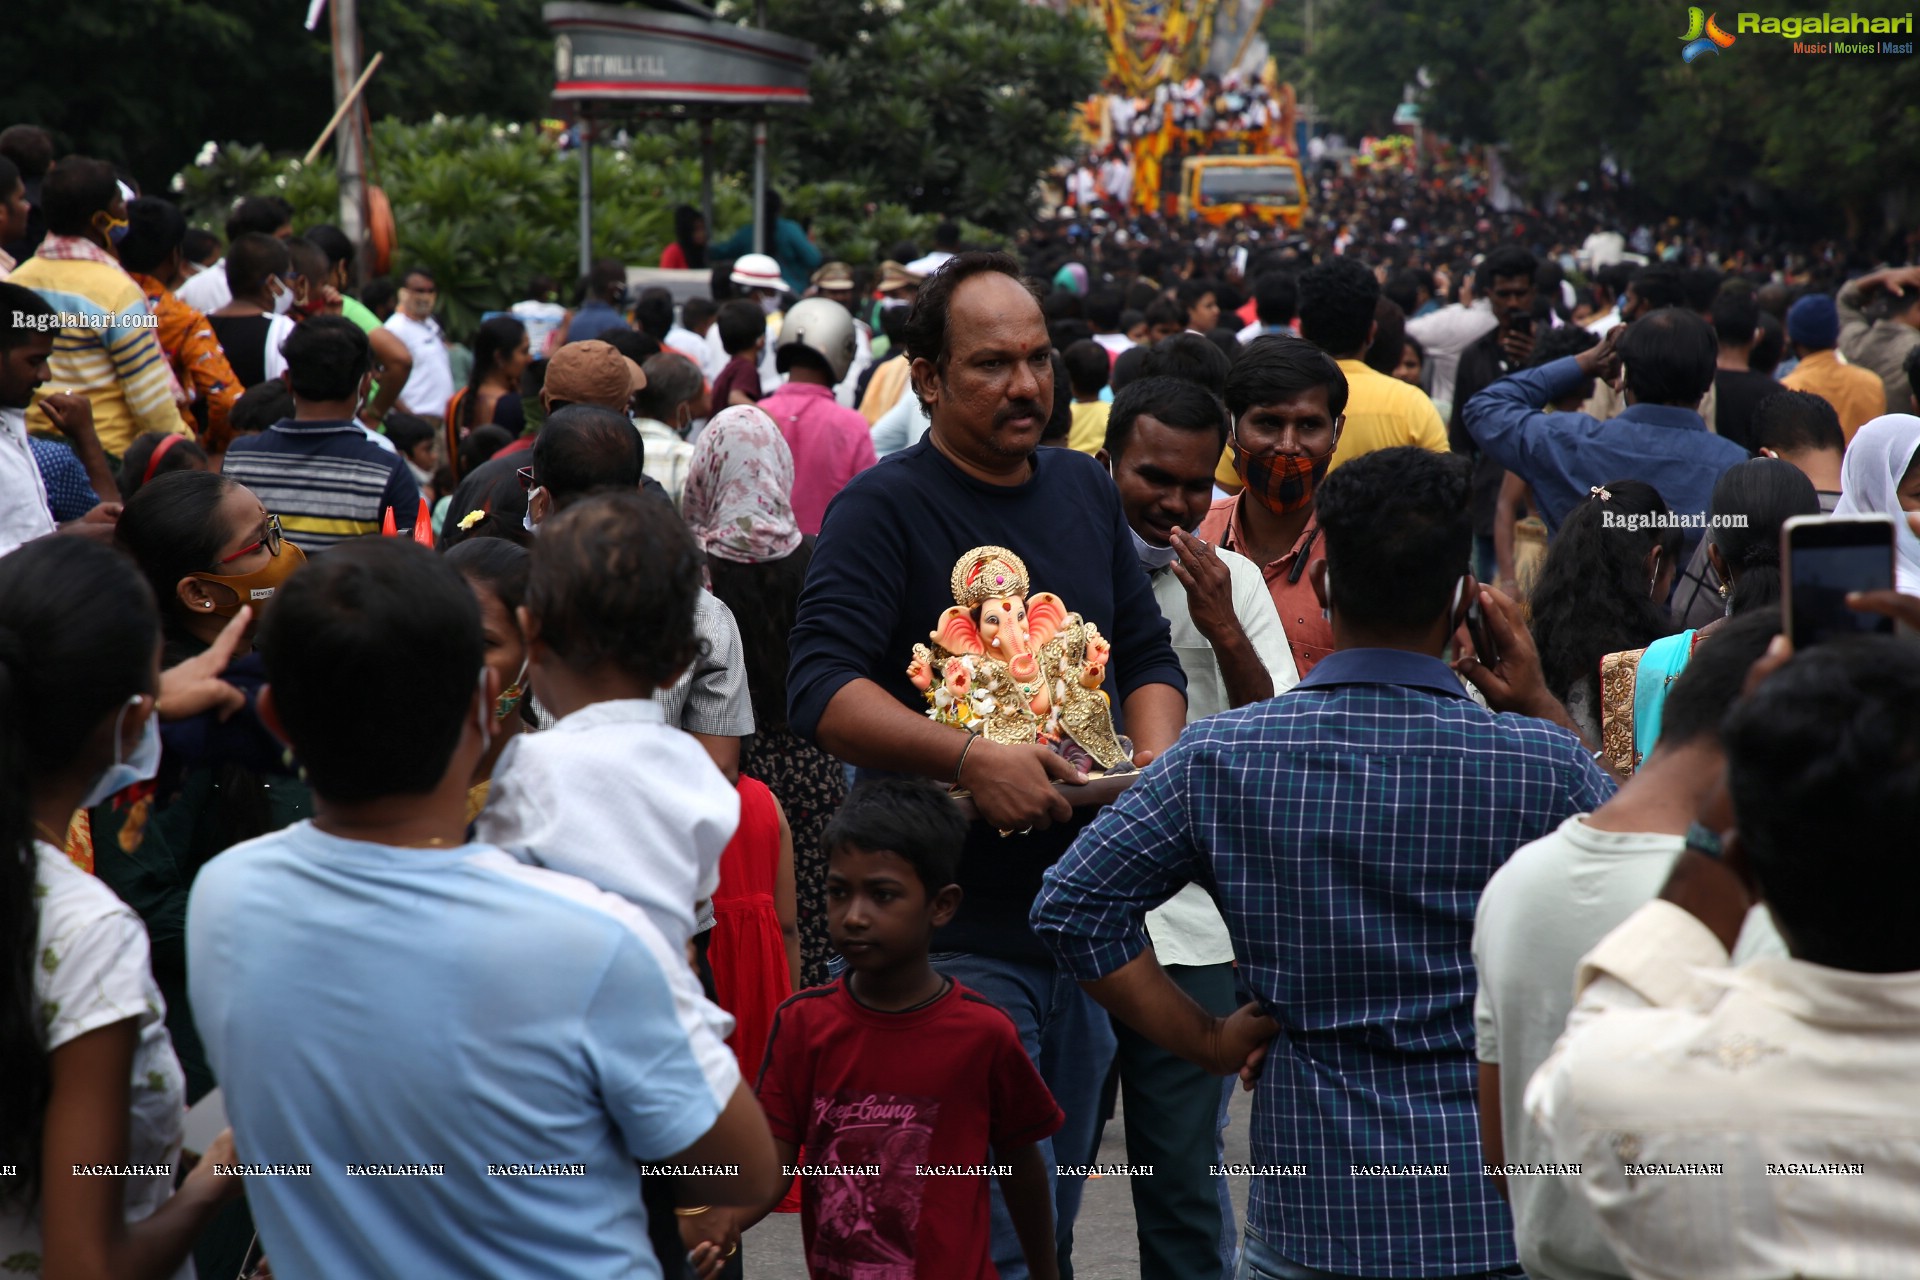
(1346, 829)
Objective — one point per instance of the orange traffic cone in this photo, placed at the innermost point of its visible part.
(423, 526)
(386, 525)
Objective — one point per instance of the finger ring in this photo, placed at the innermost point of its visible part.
(1027, 830)
(1005, 832)
(733, 1251)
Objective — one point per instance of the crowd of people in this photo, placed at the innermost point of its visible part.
(493, 783)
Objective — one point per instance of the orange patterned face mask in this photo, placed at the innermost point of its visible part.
(1281, 482)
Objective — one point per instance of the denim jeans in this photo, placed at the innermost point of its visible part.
(1071, 1043)
(1176, 1117)
(1259, 1261)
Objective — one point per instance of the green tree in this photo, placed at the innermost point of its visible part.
(946, 107)
(1567, 85)
(144, 84)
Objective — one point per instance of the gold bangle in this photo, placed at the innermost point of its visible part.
(694, 1212)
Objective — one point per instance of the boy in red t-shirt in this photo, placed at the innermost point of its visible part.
(897, 1080)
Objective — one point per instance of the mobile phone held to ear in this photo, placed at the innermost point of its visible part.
(1822, 558)
(1484, 649)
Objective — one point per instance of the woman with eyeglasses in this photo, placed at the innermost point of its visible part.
(210, 551)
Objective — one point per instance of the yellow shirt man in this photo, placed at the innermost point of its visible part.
(1385, 413)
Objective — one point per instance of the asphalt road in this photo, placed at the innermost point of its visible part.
(1105, 1247)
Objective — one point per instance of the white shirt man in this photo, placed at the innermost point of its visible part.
(24, 513)
(431, 385)
(1541, 912)
(1753, 1122)
(1756, 1108)
(1446, 333)
(208, 291)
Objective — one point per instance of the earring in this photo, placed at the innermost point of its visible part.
(1722, 589)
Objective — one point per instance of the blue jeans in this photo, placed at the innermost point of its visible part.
(1071, 1043)
(1259, 1261)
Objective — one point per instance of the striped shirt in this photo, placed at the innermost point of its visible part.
(325, 480)
(1346, 829)
(113, 357)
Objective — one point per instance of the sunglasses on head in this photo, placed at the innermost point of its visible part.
(526, 479)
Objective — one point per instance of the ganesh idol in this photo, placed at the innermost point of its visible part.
(1017, 667)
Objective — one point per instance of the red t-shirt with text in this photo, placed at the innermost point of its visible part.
(896, 1113)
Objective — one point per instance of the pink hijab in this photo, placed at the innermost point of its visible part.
(737, 499)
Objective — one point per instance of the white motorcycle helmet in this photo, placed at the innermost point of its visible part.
(822, 326)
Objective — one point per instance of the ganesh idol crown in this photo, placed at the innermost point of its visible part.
(1017, 667)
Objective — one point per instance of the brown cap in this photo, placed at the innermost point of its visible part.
(592, 372)
(834, 275)
(894, 276)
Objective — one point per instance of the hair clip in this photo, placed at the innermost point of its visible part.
(471, 519)
(1600, 492)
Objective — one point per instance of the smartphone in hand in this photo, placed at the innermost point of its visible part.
(1822, 559)
(1484, 648)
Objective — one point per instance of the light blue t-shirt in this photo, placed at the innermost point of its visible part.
(372, 1006)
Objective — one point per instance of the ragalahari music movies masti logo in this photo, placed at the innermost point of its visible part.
(1703, 34)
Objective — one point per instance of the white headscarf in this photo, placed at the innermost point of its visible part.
(1876, 461)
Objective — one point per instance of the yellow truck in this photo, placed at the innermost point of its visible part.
(1217, 189)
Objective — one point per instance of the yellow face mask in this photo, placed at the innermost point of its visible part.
(258, 587)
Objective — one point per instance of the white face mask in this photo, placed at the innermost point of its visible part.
(526, 521)
(141, 766)
(769, 303)
(1151, 558)
(282, 300)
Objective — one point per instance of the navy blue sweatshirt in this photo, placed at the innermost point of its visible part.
(881, 578)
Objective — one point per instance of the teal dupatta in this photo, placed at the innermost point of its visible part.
(1660, 665)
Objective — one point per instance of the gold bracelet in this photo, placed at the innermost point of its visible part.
(694, 1212)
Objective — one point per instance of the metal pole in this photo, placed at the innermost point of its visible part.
(760, 228)
(350, 157)
(706, 175)
(586, 192)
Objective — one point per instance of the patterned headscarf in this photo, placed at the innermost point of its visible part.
(739, 485)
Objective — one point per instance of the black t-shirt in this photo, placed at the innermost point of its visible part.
(244, 339)
(881, 577)
(1737, 395)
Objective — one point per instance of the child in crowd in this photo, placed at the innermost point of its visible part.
(155, 453)
(414, 438)
(372, 987)
(753, 949)
(260, 407)
(899, 1069)
(1088, 366)
(754, 945)
(743, 332)
(496, 569)
(613, 793)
